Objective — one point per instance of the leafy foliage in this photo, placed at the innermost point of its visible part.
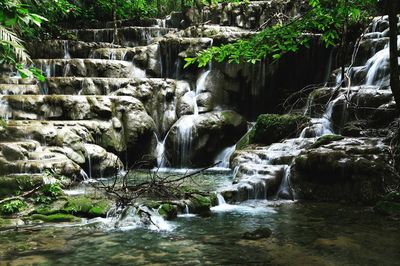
(15, 16)
(12, 206)
(328, 18)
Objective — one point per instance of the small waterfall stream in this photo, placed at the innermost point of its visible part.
(4, 110)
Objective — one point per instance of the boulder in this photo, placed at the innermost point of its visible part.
(272, 128)
(353, 170)
(195, 139)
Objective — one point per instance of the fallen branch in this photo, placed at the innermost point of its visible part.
(22, 196)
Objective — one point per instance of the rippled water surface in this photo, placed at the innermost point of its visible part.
(303, 234)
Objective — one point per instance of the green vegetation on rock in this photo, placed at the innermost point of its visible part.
(86, 207)
(167, 210)
(12, 206)
(200, 204)
(54, 218)
(271, 128)
(387, 208)
(326, 139)
(13, 185)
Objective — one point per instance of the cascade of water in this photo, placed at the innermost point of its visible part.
(185, 127)
(220, 199)
(137, 72)
(4, 112)
(90, 166)
(377, 66)
(186, 209)
(134, 217)
(66, 50)
(84, 175)
(113, 55)
(224, 156)
(201, 82)
(284, 190)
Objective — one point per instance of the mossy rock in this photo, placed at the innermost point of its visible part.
(214, 199)
(388, 208)
(152, 204)
(393, 197)
(13, 185)
(86, 207)
(200, 204)
(5, 222)
(3, 123)
(50, 208)
(54, 218)
(271, 128)
(326, 139)
(168, 211)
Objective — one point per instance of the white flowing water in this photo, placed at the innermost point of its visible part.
(185, 127)
(4, 110)
(134, 217)
(378, 66)
(201, 82)
(66, 50)
(224, 156)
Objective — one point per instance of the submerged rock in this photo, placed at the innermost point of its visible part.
(259, 233)
(389, 205)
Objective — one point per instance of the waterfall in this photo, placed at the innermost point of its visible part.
(224, 156)
(201, 82)
(4, 112)
(66, 50)
(186, 123)
(221, 200)
(160, 149)
(186, 209)
(185, 127)
(284, 190)
(90, 166)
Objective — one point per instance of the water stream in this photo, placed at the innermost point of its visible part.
(307, 234)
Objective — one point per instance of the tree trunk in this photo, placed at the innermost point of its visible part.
(159, 8)
(394, 65)
(115, 33)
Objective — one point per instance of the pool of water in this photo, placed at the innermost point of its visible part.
(303, 234)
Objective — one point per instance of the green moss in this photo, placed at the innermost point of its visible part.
(50, 207)
(55, 218)
(324, 140)
(388, 208)
(393, 197)
(271, 128)
(5, 222)
(86, 207)
(55, 100)
(152, 204)
(213, 199)
(12, 206)
(3, 123)
(167, 210)
(200, 204)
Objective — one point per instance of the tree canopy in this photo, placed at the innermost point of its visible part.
(330, 19)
